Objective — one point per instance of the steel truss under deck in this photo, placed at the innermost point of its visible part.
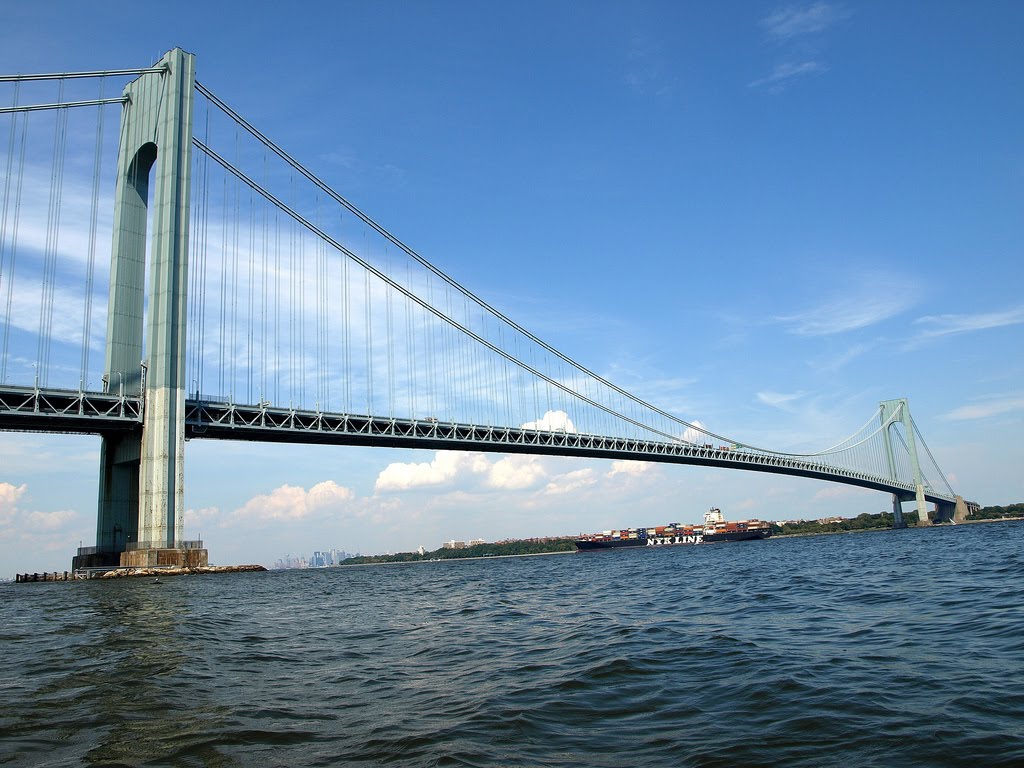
(32, 409)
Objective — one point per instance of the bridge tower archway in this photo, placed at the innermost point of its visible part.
(142, 481)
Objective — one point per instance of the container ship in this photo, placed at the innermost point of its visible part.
(714, 529)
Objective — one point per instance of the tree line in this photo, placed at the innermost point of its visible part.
(566, 544)
(867, 521)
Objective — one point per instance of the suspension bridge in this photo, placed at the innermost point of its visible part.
(276, 310)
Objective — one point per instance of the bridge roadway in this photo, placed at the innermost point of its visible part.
(34, 409)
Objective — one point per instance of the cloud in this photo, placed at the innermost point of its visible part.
(551, 421)
(34, 525)
(443, 469)
(449, 468)
(9, 497)
(797, 28)
(785, 72)
(291, 502)
(570, 482)
(49, 521)
(987, 409)
(645, 70)
(629, 468)
(793, 22)
(516, 472)
(778, 399)
(695, 433)
(943, 325)
(858, 309)
(839, 492)
(840, 361)
(195, 517)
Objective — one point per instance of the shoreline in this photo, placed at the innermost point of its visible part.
(909, 527)
(439, 560)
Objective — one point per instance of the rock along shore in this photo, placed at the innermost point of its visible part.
(121, 573)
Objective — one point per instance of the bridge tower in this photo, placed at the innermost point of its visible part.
(142, 482)
(901, 410)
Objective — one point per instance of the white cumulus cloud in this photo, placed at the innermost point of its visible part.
(20, 522)
(516, 472)
(570, 482)
(443, 469)
(49, 521)
(290, 502)
(629, 468)
(552, 421)
(451, 468)
(695, 432)
(9, 496)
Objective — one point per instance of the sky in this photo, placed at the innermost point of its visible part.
(767, 217)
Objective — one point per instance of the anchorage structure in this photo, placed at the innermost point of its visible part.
(310, 332)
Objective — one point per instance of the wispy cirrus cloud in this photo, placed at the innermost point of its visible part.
(785, 72)
(848, 313)
(995, 406)
(943, 325)
(778, 399)
(839, 361)
(797, 29)
(792, 21)
(645, 68)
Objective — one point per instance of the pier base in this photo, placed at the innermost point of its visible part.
(960, 512)
(179, 558)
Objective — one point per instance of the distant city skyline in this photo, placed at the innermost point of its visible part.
(762, 218)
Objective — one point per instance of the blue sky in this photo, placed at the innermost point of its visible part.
(766, 217)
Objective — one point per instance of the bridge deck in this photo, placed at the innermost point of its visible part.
(68, 411)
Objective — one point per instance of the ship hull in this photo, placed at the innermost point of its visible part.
(585, 545)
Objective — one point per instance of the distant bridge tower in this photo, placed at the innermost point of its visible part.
(901, 410)
(142, 481)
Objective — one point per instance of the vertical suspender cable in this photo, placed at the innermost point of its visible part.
(7, 277)
(291, 307)
(195, 214)
(204, 261)
(223, 325)
(300, 354)
(431, 358)
(368, 339)
(250, 323)
(233, 349)
(277, 307)
(346, 315)
(91, 258)
(389, 340)
(264, 308)
(52, 241)
(411, 379)
(319, 287)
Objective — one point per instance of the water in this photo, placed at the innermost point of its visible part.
(891, 648)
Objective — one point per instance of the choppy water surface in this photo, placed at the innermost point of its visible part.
(890, 648)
